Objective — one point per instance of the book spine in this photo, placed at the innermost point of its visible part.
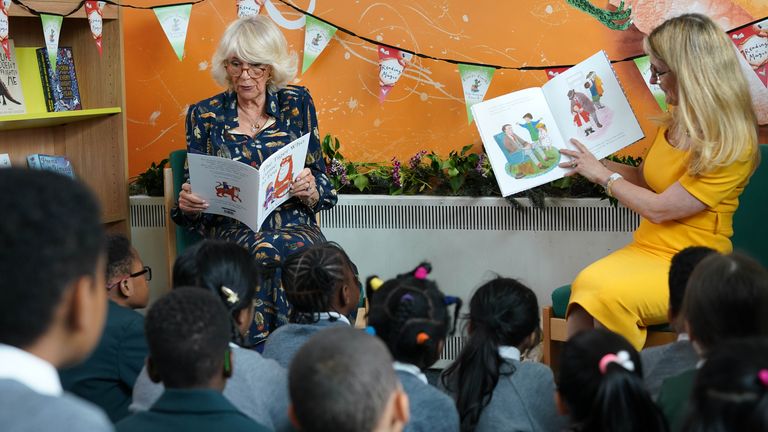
(69, 96)
(44, 67)
(33, 161)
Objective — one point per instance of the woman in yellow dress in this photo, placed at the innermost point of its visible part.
(686, 190)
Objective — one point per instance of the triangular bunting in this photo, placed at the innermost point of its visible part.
(51, 33)
(644, 66)
(4, 5)
(93, 9)
(392, 63)
(752, 42)
(248, 7)
(317, 34)
(475, 80)
(175, 21)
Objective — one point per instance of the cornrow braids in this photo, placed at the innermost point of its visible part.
(410, 314)
(312, 277)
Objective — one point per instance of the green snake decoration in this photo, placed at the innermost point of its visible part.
(614, 20)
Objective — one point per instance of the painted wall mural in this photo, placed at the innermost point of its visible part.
(425, 109)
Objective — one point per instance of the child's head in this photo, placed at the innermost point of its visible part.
(507, 129)
(320, 279)
(410, 314)
(342, 380)
(528, 117)
(502, 312)
(229, 272)
(600, 385)
(188, 334)
(680, 271)
(726, 298)
(126, 275)
(587, 85)
(52, 291)
(541, 126)
(731, 389)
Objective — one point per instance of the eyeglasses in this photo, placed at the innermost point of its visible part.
(146, 271)
(235, 69)
(656, 75)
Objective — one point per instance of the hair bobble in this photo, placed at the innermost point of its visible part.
(422, 338)
(421, 272)
(375, 282)
(370, 330)
(450, 300)
(762, 375)
(231, 296)
(621, 358)
(406, 297)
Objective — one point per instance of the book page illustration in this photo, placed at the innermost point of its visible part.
(278, 171)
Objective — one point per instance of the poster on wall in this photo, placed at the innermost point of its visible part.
(4, 5)
(94, 11)
(475, 81)
(51, 32)
(175, 21)
(752, 42)
(249, 7)
(392, 63)
(317, 34)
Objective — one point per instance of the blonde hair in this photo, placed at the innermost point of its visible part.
(714, 120)
(255, 39)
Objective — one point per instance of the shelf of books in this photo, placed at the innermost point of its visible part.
(67, 117)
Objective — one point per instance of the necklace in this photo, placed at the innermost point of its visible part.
(255, 125)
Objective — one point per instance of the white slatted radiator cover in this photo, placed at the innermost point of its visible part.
(148, 236)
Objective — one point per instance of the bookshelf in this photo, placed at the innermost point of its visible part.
(92, 138)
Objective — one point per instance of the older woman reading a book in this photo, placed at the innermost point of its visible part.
(258, 114)
(687, 188)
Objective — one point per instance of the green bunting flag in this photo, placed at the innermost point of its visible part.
(175, 21)
(475, 81)
(317, 34)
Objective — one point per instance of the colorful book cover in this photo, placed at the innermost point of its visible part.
(752, 42)
(60, 86)
(59, 164)
(5, 160)
(11, 96)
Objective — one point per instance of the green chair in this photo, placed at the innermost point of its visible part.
(750, 234)
(178, 238)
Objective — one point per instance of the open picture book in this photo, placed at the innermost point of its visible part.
(243, 192)
(523, 131)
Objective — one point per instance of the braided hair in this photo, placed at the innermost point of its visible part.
(227, 270)
(410, 314)
(313, 277)
(502, 312)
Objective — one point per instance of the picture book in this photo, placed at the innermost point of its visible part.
(59, 164)
(11, 96)
(752, 42)
(60, 83)
(523, 131)
(5, 160)
(243, 192)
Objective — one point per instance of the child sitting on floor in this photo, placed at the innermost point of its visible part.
(600, 385)
(322, 287)
(258, 386)
(188, 333)
(493, 389)
(342, 380)
(410, 314)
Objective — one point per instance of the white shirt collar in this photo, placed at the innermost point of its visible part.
(509, 353)
(683, 337)
(329, 315)
(411, 369)
(30, 370)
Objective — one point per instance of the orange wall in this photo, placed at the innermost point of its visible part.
(425, 110)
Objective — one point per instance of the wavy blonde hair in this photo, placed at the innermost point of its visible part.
(714, 120)
(255, 39)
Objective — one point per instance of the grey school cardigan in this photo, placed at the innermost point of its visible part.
(665, 361)
(258, 387)
(284, 342)
(25, 410)
(431, 409)
(523, 401)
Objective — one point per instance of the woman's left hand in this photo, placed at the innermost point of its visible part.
(304, 186)
(585, 163)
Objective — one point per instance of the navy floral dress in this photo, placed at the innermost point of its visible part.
(292, 226)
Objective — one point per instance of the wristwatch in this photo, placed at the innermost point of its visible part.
(608, 184)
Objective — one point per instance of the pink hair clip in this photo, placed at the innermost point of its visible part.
(421, 273)
(762, 375)
(621, 358)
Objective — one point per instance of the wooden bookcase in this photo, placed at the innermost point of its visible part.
(93, 139)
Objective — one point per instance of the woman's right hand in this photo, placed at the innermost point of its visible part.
(189, 203)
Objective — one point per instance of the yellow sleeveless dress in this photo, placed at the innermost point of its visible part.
(628, 290)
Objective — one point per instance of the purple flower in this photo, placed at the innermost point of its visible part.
(396, 173)
(416, 159)
(338, 168)
(479, 166)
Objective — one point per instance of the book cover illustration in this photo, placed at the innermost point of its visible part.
(60, 84)
(5, 160)
(523, 131)
(11, 96)
(59, 164)
(752, 42)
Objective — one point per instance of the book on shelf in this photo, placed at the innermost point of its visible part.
(59, 164)
(523, 131)
(5, 160)
(60, 86)
(11, 96)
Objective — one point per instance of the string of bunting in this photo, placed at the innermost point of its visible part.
(475, 77)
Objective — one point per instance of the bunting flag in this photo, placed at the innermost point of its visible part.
(752, 42)
(317, 34)
(248, 7)
(392, 63)
(93, 9)
(644, 66)
(51, 32)
(175, 21)
(4, 5)
(475, 80)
